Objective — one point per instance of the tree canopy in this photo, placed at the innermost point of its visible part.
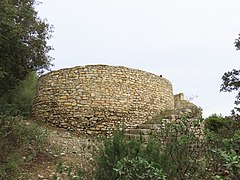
(231, 82)
(23, 42)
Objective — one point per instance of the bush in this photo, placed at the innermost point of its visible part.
(223, 137)
(19, 101)
(19, 144)
(182, 152)
(217, 122)
(175, 152)
(226, 154)
(137, 168)
(113, 151)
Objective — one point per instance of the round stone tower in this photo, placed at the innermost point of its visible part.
(97, 99)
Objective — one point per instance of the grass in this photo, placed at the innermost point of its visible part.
(20, 144)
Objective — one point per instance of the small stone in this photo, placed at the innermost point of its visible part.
(63, 124)
(40, 176)
(89, 132)
(225, 172)
(188, 111)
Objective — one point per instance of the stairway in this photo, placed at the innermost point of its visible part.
(143, 131)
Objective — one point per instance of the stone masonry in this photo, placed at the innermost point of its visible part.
(96, 99)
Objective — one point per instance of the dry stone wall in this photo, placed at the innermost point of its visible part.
(97, 99)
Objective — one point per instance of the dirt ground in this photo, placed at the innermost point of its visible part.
(68, 155)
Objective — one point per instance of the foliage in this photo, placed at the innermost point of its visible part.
(137, 168)
(223, 146)
(237, 42)
(232, 161)
(114, 150)
(23, 42)
(229, 160)
(19, 100)
(176, 152)
(197, 111)
(171, 151)
(231, 82)
(19, 143)
(217, 122)
(180, 156)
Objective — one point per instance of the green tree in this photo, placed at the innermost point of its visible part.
(19, 100)
(23, 42)
(231, 82)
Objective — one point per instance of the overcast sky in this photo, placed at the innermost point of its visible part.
(189, 42)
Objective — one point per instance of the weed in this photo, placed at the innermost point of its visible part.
(19, 144)
(137, 168)
(67, 171)
(19, 100)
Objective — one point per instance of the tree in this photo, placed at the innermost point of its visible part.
(23, 42)
(231, 82)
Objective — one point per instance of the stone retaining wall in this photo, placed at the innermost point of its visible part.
(97, 99)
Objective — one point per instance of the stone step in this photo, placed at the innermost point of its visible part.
(138, 137)
(139, 131)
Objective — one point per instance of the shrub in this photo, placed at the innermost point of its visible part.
(175, 152)
(18, 140)
(182, 152)
(223, 141)
(19, 100)
(227, 155)
(217, 122)
(137, 168)
(112, 151)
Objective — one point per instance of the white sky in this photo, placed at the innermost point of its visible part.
(189, 42)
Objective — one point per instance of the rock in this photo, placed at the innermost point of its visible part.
(189, 111)
(40, 176)
(89, 132)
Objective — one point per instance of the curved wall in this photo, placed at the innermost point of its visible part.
(100, 98)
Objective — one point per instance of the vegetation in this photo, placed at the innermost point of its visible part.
(137, 168)
(231, 82)
(23, 52)
(68, 172)
(23, 42)
(219, 123)
(19, 100)
(20, 143)
(175, 153)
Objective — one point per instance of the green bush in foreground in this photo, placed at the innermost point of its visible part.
(170, 152)
(175, 153)
(113, 151)
(137, 168)
(19, 144)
